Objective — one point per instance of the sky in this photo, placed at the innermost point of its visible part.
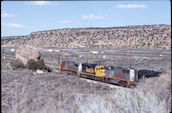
(23, 17)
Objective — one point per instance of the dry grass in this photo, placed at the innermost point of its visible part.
(153, 96)
(49, 95)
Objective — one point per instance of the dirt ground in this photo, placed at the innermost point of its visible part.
(59, 92)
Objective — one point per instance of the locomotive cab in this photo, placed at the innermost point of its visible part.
(100, 70)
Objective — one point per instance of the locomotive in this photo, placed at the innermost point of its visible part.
(109, 74)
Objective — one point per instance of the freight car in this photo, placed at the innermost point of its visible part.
(144, 74)
(110, 74)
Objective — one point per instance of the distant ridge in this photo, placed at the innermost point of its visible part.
(141, 36)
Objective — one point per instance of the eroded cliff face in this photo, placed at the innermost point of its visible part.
(145, 36)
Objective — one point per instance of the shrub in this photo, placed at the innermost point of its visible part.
(17, 64)
(40, 64)
(34, 65)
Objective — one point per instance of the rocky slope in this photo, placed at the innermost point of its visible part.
(143, 36)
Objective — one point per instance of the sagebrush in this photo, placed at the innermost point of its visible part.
(16, 64)
(34, 65)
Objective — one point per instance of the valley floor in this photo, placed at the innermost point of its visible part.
(57, 92)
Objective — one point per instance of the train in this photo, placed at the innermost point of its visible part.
(126, 77)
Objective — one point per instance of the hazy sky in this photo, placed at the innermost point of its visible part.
(22, 17)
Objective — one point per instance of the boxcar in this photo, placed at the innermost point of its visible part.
(144, 74)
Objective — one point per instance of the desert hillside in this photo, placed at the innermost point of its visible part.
(143, 36)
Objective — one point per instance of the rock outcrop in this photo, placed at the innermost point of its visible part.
(142, 36)
(24, 53)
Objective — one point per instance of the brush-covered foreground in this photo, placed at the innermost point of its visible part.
(24, 92)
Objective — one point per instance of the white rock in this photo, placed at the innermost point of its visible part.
(94, 52)
(161, 55)
(56, 71)
(50, 50)
(12, 50)
(39, 71)
(81, 56)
